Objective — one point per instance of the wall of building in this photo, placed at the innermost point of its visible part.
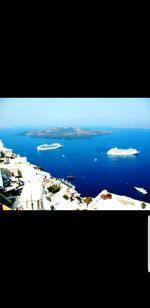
(1, 180)
(11, 172)
(32, 205)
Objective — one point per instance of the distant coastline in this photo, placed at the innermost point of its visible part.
(65, 133)
(136, 126)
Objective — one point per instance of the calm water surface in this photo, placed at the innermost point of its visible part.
(77, 157)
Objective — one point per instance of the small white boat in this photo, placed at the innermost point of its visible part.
(140, 189)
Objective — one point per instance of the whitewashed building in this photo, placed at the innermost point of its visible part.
(18, 159)
(32, 197)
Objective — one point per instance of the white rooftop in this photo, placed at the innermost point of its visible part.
(117, 202)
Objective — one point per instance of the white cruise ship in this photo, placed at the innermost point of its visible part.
(52, 146)
(116, 151)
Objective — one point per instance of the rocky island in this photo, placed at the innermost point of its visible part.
(65, 133)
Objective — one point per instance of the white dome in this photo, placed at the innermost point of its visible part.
(32, 191)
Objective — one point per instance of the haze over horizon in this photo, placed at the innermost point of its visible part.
(47, 112)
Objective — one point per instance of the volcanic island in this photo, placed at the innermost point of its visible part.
(65, 133)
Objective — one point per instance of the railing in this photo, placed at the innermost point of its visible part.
(67, 183)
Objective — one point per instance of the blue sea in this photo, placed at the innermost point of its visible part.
(77, 157)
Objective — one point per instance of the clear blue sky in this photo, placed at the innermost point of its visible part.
(38, 112)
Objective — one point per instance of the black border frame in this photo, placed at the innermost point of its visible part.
(79, 235)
